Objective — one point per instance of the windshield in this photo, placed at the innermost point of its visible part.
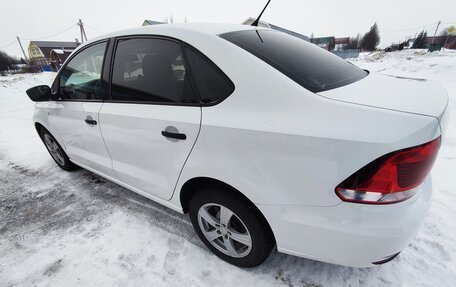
(307, 64)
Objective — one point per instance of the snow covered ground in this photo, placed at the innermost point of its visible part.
(77, 229)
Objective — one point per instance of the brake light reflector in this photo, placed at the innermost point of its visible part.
(392, 177)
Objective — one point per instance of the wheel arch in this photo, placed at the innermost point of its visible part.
(39, 127)
(191, 187)
(41, 124)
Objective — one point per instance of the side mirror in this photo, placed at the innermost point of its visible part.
(40, 93)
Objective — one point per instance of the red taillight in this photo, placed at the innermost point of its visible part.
(392, 177)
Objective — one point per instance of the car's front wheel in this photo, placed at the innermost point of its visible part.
(231, 226)
(56, 151)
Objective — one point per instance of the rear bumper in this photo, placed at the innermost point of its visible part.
(348, 234)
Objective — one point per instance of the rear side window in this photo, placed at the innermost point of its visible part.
(307, 64)
(150, 70)
(212, 84)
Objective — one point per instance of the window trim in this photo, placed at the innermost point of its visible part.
(188, 68)
(57, 79)
(108, 65)
(146, 36)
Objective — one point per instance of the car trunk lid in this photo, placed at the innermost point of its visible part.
(410, 95)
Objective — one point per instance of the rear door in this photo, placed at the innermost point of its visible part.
(152, 120)
(75, 114)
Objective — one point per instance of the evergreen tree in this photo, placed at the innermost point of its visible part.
(6, 61)
(420, 41)
(370, 40)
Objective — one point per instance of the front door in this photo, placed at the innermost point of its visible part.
(75, 114)
(153, 119)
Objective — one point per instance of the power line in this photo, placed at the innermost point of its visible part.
(95, 29)
(50, 36)
(407, 29)
(3, 47)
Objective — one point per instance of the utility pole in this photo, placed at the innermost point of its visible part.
(23, 52)
(435, 33)
(448, 36)
(83, 33)
(446, 41)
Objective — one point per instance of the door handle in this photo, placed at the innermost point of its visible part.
(90, 121)
(177, 136)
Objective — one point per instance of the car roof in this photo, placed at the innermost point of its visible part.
(163, 29)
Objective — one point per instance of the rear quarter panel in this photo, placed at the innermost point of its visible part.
(280, 144)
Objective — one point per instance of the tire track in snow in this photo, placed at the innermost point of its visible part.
(67, 200)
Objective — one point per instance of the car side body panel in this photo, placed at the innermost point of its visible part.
(141, 156)
(83, 143)
(42, 116)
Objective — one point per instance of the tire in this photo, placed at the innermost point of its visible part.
(245, 221)
(56, 151)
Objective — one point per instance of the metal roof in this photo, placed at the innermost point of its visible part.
(262, 23)
(152, 22)
(54, 44)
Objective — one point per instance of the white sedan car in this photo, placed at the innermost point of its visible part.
(264, 139)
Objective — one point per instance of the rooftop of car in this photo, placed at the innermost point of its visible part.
(207, 28)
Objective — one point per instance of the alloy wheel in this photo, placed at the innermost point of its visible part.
(224, 230)
(54, 149)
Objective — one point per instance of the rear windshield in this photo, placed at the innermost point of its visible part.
(307, 64)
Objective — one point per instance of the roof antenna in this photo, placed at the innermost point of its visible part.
(255, 23)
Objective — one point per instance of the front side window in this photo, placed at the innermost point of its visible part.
(150, 70)
(307, 64)
(81, 77)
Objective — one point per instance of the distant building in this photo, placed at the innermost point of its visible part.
(327, 43)
(438, 39)
(151, 22)
(49, 55)
(331, 43)
(265, 24)
(340, 43)
(447, 42)
(337, 46)
(442, 41)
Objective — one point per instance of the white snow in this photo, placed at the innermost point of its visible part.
(77, 229)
